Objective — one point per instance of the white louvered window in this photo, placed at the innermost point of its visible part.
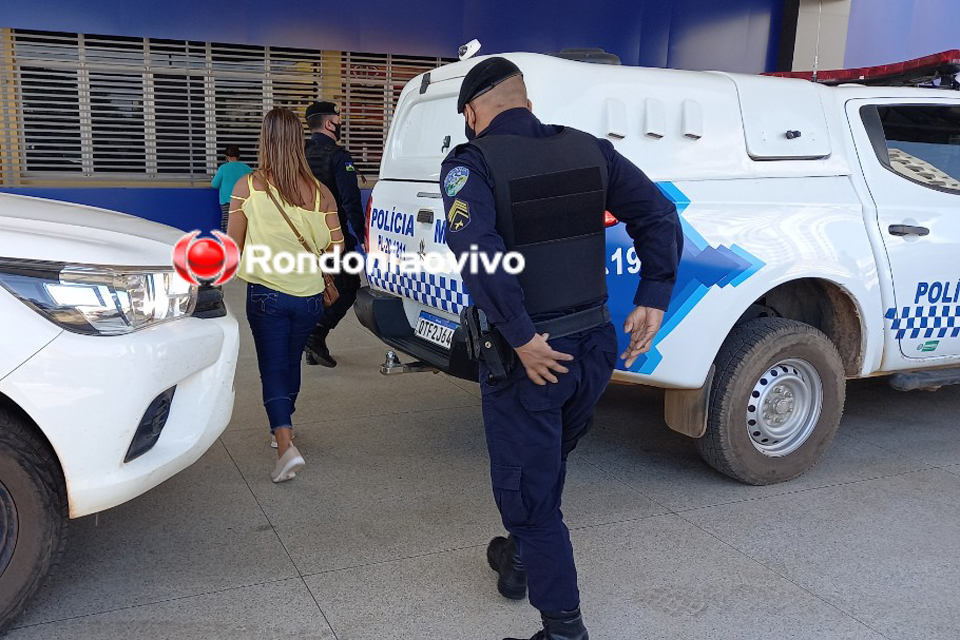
(118, 109)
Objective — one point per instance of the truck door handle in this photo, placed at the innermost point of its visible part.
(908, 230)
(425, 215)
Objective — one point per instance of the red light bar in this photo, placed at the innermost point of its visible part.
(900, 73)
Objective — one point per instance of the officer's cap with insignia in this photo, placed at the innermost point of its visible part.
(322, 108)
(486, 75)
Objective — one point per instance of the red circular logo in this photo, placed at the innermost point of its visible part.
(206, 258)
(213, 260)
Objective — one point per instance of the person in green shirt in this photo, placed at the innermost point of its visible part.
(227, 176)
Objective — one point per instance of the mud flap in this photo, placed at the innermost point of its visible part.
(685, 410)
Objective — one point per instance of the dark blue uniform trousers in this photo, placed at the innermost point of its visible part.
(530, 431)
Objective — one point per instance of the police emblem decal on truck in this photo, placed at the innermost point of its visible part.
(929, 346)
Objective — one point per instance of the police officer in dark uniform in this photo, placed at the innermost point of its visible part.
(541, 190)
(333, 166)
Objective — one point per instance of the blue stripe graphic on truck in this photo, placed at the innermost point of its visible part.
(702, 267)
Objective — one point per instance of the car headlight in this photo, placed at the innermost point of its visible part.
(99, 300)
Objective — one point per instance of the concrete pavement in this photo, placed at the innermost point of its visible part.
(382, 536)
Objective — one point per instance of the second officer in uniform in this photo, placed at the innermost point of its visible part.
(541, 190)
(333, 166)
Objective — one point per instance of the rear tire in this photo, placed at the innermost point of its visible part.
(33, 514)
(776, 401)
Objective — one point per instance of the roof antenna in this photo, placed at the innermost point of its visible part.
(469, 50)
(816, 56)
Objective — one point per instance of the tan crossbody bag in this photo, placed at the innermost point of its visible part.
(330, 292)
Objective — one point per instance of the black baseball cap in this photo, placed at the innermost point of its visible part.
(483, 77)
(323, 108)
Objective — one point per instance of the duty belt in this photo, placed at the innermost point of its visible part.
(574, 322)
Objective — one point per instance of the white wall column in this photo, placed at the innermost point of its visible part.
(825, 22)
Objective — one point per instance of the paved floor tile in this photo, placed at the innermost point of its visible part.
(448, 595)
(885, 551)
(470, 387)
(392, 515)
(277, 611)
(200, 531)
(660, 578)
(920, 425)
(355, 388)
(384, 489)
(632, 443)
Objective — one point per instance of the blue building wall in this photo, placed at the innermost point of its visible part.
(731, 35)
(185, 209)
(885, 31)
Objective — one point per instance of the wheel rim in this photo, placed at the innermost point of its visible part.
(9, 525)
(784, 407)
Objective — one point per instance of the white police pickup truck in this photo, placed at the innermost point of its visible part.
(113, 376)
(822, 242)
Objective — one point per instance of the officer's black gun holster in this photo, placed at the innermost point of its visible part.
(486, 344)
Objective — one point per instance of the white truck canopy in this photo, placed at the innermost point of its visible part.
(689, 124)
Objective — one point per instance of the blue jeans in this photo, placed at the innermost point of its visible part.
(280, 324)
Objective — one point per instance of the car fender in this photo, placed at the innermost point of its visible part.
(743, 238)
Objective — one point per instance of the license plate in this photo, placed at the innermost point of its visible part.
(434, 329)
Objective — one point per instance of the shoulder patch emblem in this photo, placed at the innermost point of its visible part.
(349, 166)
(458, 216)
(456, 178)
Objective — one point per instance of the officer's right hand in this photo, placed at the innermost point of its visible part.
(541, 360)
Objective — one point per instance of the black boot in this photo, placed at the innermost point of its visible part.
(504, 558)
(563, 625)
(316, 350)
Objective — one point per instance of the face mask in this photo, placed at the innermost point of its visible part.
(337, 128)
(467, 129)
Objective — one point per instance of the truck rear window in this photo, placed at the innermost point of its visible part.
(923, 143)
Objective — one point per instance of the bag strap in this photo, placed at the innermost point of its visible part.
(293, 227)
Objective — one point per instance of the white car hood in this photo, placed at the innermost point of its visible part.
(40, 229)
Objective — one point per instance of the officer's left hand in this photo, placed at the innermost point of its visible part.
(642, 324)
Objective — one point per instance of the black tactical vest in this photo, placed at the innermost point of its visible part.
(320, 157)
(550, 197)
